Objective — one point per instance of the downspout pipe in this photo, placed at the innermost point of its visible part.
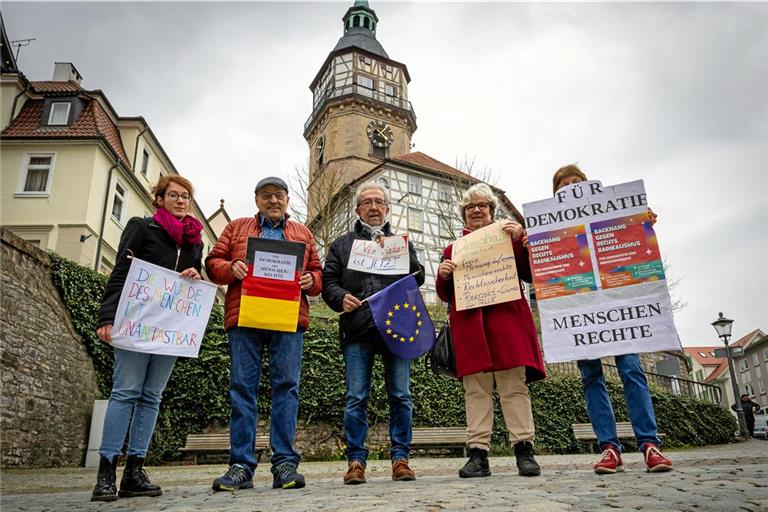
(104, 216)
(136, 148)
(13, 107)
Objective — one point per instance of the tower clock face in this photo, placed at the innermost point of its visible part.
(380, 134)
(319, 147)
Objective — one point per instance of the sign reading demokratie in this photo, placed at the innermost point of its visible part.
(161, 312)
(485, 270)
(599, 278)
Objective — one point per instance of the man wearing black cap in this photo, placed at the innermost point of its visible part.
(225, 265)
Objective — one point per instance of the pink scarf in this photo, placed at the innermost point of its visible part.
(188, 229)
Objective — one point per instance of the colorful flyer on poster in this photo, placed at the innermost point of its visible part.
(271, 294)
(626, 251)
(561, 262)
(598, 273)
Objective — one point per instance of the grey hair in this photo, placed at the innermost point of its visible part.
(370, 185)
(480, 190)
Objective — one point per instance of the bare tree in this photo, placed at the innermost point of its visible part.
(322, 202)
(678, 304)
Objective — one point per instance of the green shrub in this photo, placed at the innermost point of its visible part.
(196, 397)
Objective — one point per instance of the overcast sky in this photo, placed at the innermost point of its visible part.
(675, 94)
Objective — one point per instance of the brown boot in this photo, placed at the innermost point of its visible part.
(401, 471)
(355, 473)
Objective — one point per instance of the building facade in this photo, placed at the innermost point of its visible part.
(74, 171)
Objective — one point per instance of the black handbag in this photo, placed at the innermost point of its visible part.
(441, 359)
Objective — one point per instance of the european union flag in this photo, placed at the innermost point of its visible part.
(402, 319)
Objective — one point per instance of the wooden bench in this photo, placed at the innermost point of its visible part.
(440, 437)
(584, 432)
(218, 444)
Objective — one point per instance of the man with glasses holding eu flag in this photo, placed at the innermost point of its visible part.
(345, 290)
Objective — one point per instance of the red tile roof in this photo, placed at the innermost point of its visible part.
(708, 359)
(420, 159)
(51, 86)
(93, 122)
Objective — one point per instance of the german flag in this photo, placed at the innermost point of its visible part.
(271, 294)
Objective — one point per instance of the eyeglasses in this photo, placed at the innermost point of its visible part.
(173, 196)
(266, 196)
(476, 206)
(370, 202)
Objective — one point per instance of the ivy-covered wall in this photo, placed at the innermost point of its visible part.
(196, 398)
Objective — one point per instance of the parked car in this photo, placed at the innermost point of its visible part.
(761, 423)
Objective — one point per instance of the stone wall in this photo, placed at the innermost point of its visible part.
(48, 380)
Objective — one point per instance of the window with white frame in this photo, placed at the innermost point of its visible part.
(420, 254)
(755, 360)
(444, 192)
(118, 203)
(743, 365)
(414, 185)
(37, 173)
(59, 114)
(365, 81)
(749, 389)
(144, 162)
(415, 219)
(761, 386)
(765, 355)
(390, 90)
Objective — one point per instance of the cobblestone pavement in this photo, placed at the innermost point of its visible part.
(728, 478)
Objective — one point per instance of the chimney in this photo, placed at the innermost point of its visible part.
(65, 72)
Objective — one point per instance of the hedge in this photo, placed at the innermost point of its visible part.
(196, 397)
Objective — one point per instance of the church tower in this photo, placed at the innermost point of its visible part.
(360, 114)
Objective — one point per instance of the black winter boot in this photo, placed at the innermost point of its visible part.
(105, 489)
(477, 465)
(526, 464)
(135, 481)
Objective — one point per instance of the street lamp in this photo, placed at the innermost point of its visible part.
(723, 327)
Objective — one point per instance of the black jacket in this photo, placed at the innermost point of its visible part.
(338, 280)
(147, 240)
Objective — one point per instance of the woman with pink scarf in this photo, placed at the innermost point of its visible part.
(170, 239)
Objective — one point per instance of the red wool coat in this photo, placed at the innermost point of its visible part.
(497, 337)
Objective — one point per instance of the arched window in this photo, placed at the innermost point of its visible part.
(356, 21)
(366, 23)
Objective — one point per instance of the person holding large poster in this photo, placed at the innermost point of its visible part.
(226, 265)
(346, 285)
(170, 239)
(493, 343)
(636, 392)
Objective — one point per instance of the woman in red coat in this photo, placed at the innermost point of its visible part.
(494, 343)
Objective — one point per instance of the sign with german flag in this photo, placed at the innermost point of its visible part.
(271, 294)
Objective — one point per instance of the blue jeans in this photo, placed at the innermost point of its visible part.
(246, 349)
(636, 394)
(358, 363)
(138, 381)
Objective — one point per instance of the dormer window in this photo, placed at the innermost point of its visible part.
(59, 114)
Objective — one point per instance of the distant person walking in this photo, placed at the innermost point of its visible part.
(171, 238)
(749, 407)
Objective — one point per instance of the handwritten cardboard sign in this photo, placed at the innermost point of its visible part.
(161, 312)
(598, 272)
(391, 259)
(486, 272)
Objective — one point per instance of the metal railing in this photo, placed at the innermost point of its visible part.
(674, 385)
(359, 90)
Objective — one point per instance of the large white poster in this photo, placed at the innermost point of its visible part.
(161, 312)
(598, 273)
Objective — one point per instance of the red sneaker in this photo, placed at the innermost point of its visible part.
(610, 462)
(655, 460)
